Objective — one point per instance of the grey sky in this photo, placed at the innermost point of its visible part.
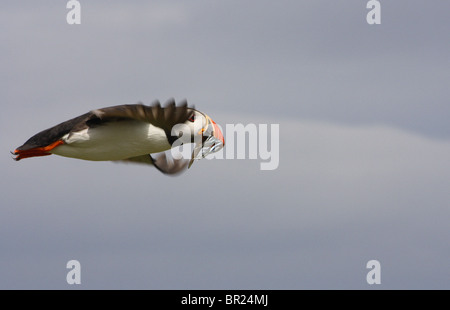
(364, 145)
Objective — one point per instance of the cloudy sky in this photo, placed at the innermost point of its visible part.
(364, 145)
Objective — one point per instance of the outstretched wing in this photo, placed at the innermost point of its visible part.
(163, 117)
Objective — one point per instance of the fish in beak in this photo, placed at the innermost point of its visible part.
(212, 141)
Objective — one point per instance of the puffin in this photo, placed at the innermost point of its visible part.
(129, 133)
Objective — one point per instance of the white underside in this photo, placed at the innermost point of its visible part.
(114, 141)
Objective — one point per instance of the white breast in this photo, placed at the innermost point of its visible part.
(114, 141)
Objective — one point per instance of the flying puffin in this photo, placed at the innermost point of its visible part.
(130, 133)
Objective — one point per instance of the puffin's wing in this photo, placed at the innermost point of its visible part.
(162, 163)
(163, 117)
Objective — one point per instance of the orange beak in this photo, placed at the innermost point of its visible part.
(217, 133)
(208, 145)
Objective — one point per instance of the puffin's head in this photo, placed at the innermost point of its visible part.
(205, 134)
(201, 125)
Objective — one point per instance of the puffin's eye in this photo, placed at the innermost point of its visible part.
(192, 118)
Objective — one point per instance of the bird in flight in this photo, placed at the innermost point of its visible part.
(129, 133)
